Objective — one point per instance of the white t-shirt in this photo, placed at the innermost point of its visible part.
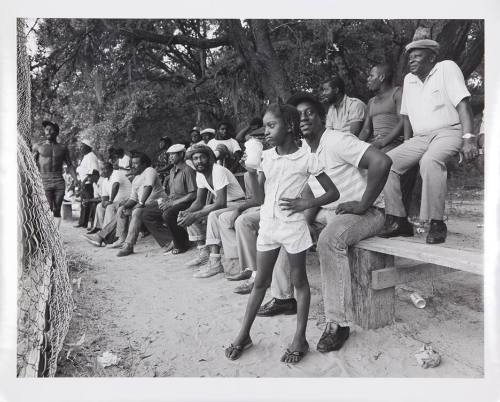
(221, 178)
(231, 144)
(286, 176)
(88, 164)
(340, 153)
(431, 105)
(119, 176)
(100, 187)
(147, 178)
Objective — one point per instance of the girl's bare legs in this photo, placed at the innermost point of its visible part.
(265, 266)
(303, 295)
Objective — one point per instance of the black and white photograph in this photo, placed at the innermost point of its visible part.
(163, 233)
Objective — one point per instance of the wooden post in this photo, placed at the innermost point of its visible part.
(372, 308)
(67, 212)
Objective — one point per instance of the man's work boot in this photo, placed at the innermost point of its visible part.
(213, 267)
(278, 306)
(201, 258)
(437, 232)
(396, 226)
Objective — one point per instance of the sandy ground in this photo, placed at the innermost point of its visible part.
(148, 310)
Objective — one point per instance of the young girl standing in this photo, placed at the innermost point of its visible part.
(285, 171)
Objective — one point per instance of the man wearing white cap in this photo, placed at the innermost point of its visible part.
(438, 124)
(207, 134)
(89, 161)
(182, 193)
(88, 164)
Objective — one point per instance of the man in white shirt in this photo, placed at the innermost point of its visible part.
(115, 194)
(89, 163)
(438, 124)
(344, 112)
(215, 183)
(100, 197)
(226, 149)
(146, 190)
(359, 172)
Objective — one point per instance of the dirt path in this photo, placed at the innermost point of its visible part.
(148, 310)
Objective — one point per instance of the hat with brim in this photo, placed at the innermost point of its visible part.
(423, 44)
(176, 148)
(204, 149)
(208, 130)
(86, 142)
(55, 126)
(197, 129)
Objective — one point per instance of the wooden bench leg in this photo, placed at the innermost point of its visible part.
(372, 308)
(67, 212)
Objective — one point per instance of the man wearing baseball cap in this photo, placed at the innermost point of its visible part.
(438, 124)
(50, 157)
(182, 192)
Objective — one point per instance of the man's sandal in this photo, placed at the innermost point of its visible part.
(234, 352)
(297, 355)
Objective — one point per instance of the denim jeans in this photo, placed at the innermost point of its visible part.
(337, 233)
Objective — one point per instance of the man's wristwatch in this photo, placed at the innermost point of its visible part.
(467, 136)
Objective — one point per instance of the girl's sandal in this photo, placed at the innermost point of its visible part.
(234, 352)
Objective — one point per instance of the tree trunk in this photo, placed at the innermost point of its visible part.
(260, 58)
(275, 80)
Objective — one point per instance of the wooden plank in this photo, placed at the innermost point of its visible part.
(463, 260)
(392, 276)
(372, 308)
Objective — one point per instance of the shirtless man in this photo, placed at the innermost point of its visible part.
(49, 157)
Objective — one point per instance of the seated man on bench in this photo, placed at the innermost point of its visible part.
(359, 171)
(437, 120)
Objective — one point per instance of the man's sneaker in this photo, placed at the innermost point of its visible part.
(201, 258)
(127, 249)
(437, 232)
(117, 244)
(396, 226)
(213, 267)
(278, 306)
(331, 341)
(245, 288)
(94, 239)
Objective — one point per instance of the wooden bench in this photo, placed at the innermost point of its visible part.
(374, 274)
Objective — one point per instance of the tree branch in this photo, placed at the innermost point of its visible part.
(169, 40)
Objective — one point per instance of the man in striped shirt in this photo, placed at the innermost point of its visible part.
(359, 171)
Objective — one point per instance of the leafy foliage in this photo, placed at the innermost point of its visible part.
(129, 82)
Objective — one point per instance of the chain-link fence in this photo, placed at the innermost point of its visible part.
(44, 292)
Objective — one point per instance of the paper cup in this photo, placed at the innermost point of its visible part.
(417, 300)
(253, 149)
